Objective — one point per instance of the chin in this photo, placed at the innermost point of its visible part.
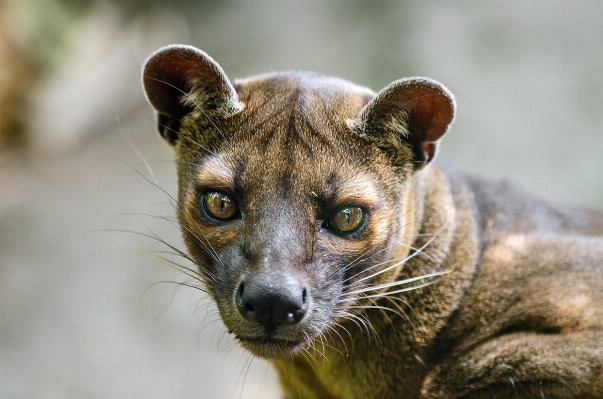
(271, 348)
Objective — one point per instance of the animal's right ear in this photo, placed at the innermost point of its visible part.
(179, 78)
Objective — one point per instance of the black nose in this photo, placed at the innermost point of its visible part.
(272, 300)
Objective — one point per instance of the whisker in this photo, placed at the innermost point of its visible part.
(330, 329)
(348, 316)
(141, 156)
(365, 316)
(195, 275)
(359, 320)
(182, 284)
(394, 301)
(326, 345)
(198, 240)
(320, 337)
(311, 360)
(150, 215)
(421, 248)
(376, 265)
(414, 287)
(396, 283)
(360, 259)
(247, 367)
(383, 312)
(181, 253)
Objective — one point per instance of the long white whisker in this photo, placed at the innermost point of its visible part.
(406, 258)
(414, 287)
(398, 261)
(361, 259)
(396, 283)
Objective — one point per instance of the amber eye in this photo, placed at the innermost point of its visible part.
(219, 205)
(347, 220)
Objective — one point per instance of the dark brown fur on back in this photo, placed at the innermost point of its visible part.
(336, 248)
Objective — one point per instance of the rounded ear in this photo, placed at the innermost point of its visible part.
(416, 111)
(179, 78)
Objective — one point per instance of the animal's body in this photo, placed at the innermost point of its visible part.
(337, 248)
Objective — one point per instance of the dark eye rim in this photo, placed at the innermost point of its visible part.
(208, 216)
(352, 233)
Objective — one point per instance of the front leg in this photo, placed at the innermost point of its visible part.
(523, 365)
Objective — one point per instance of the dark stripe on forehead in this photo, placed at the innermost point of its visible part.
(238, 172)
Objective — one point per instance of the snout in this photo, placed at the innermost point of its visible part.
(272, 300)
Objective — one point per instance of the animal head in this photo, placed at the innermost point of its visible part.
(293, 188)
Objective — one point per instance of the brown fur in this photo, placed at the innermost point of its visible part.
(456, 287)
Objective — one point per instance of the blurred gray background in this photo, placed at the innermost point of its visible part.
(83, 312)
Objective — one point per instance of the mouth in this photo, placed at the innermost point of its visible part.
(270, 348)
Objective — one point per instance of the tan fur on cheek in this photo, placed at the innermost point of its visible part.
(406, 236)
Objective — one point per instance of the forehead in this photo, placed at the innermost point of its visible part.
(295, 126)
(291, 160)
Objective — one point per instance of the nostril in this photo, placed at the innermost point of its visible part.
(296, 309)
(244, 304)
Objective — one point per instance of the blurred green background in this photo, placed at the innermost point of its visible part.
(81, 313)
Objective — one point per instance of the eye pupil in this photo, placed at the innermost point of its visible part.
(347, 214)
(219, 205)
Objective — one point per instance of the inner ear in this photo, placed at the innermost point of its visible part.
(177, 79)
(416, 111)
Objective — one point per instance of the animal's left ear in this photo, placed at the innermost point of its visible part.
(412, 111)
